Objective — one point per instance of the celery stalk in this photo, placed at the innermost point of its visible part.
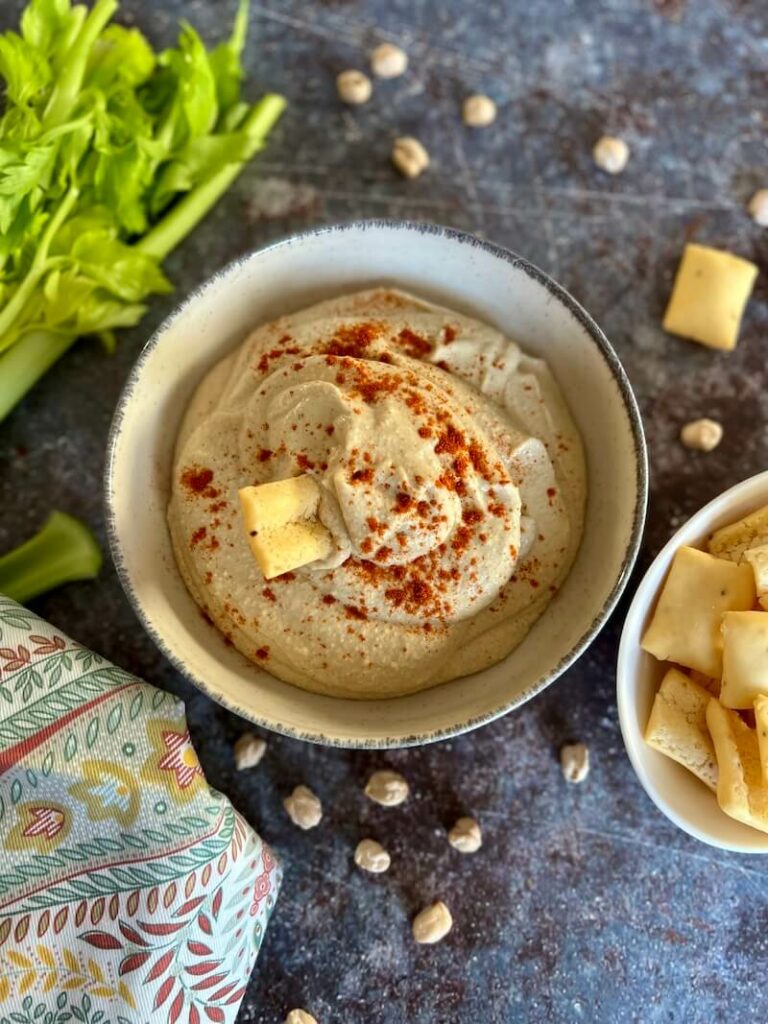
(70, 77)
(191, 209)
(64, 550)
(22, 366)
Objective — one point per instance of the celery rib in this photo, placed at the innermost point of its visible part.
(70, 77)
(22, 365)
(190, 210)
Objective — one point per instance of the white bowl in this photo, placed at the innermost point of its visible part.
(456, 270)
(675, 791)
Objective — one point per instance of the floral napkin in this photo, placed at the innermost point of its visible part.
(130, 892)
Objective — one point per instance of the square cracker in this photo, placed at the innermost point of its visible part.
(745, 658)
(761, 722)
(685, 627)
(733, 540)
(741, 791)
(708, 297)
(677, 726)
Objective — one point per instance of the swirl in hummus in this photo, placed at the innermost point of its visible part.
(452, 481)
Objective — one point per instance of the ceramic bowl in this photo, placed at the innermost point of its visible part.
(675, 791)
(448, 267)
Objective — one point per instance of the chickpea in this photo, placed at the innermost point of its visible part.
(354, 87)
(611, 154)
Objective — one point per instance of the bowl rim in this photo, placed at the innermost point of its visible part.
(559, 293)
(626, 678)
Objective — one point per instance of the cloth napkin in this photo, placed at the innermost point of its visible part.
(130, 892)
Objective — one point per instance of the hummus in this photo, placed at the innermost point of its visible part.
(452, 482)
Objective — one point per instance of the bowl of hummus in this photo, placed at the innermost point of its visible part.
(376, 485)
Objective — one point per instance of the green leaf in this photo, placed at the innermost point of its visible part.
(24, 167)
(24, 171)
(64, 293)
(136, 703)
(154, 835)
(86, 658)
(133, 841)
(71, 71)
(27, 679)
(114, 718)
(24, 68)
(102, 312)
(120, 56)
(78, 300)
(124, 159)
(120, 181)
(92, 732)
(225, 63)
(193, 109)
(108, 845)
(199, 159)
(72, 149)
(176, 830)
(117, 267)
(45, 22)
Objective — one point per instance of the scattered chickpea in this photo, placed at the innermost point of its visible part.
(249, 750)
(702, 435)
(758, 207)
(409, 156)
(371, 856)
(611, 154)
(387, 788)
(354, 87)
(574, 761)
(465, 836)
(432, 924)
(388, 61)
(300, 1017)
(478, 111)
(303, 807)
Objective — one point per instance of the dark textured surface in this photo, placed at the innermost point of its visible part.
(584, 903)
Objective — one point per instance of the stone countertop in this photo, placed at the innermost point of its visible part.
(584, 903)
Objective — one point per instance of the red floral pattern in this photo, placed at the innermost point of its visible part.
(44, 821)
(181, 758)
